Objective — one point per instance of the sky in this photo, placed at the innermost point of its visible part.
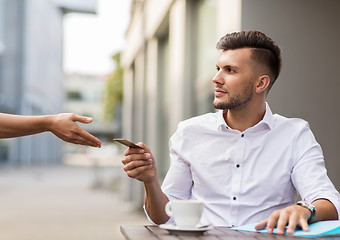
(90, 40)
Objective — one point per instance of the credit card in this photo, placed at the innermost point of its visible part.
(127, 143)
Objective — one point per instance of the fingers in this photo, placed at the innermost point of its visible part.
(130, 151)
(136, 172)
(77, 135)
(136, 160)
(65, 127)
(282, 223)
(81, 119)
(88, 139)
(289, 217)
(83, 140)
(261, 225)
(293, 221)
(83, 137)
(304, 225)
(139, 164)
(141, 144)
(272, 220)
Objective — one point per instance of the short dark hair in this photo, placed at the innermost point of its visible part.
(265, 50)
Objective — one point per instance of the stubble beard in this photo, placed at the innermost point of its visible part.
(236, 102)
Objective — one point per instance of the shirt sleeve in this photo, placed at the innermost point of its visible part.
(178, 181)
(309, 174)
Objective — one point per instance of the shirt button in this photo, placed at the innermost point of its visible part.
(234, 198)
(242, 135)
(237, 165)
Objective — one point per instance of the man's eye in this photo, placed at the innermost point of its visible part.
(229, 69)
(217, 68)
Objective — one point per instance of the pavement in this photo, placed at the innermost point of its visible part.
(63, 203)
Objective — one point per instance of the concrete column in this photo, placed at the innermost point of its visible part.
(128, 103)
(229, 16)
(139, 95)
(151, 94)
(177, 60)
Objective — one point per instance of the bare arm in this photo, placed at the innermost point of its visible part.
(155, 201)
(17, 125)
(62, 125)
(296, 215)
(325, 210)
(140, 164)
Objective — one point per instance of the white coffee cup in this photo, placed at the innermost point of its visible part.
(186, 213)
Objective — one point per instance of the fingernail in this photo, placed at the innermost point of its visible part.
(147, 155)
(269, 230)
(141, 151)
(89, 119)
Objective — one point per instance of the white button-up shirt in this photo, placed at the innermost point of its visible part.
(242, 177)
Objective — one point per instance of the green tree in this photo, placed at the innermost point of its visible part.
(113, 95)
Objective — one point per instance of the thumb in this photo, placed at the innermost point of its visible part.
(82, 119)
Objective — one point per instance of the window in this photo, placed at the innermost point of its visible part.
(74, 95)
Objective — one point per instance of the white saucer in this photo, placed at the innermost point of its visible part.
(178, 230)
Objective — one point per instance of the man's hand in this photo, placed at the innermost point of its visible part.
(140, 164)
(65, 127)
(292, 216)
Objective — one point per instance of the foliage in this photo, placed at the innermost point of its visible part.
(113, 95)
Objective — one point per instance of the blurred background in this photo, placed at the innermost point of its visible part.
(63, 56)
(138, 67)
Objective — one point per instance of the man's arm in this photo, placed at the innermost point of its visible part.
(296, 215)
(140, 165)
(155, 201)
(309, 177)
(62, 125)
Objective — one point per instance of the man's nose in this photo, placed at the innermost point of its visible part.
(218, 79)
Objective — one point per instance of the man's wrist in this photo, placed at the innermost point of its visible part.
(308, 206)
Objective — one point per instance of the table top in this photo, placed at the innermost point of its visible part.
(151, 232)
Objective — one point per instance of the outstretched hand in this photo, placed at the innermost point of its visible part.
(64, 126)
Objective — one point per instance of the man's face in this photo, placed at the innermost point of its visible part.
(234, 81)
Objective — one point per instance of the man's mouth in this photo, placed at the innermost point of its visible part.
(219, 92)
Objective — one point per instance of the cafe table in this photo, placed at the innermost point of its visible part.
(152, 232)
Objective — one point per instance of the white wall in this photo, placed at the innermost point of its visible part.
(308, 87)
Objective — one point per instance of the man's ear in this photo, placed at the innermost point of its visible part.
(262, 84)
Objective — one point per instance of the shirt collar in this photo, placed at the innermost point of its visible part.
(268, 119)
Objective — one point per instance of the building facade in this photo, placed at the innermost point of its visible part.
(170, 60)
(31, 71)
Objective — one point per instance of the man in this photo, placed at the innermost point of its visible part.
(62, 125)
(245, 163)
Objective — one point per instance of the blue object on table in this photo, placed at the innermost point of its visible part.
(318, 229)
